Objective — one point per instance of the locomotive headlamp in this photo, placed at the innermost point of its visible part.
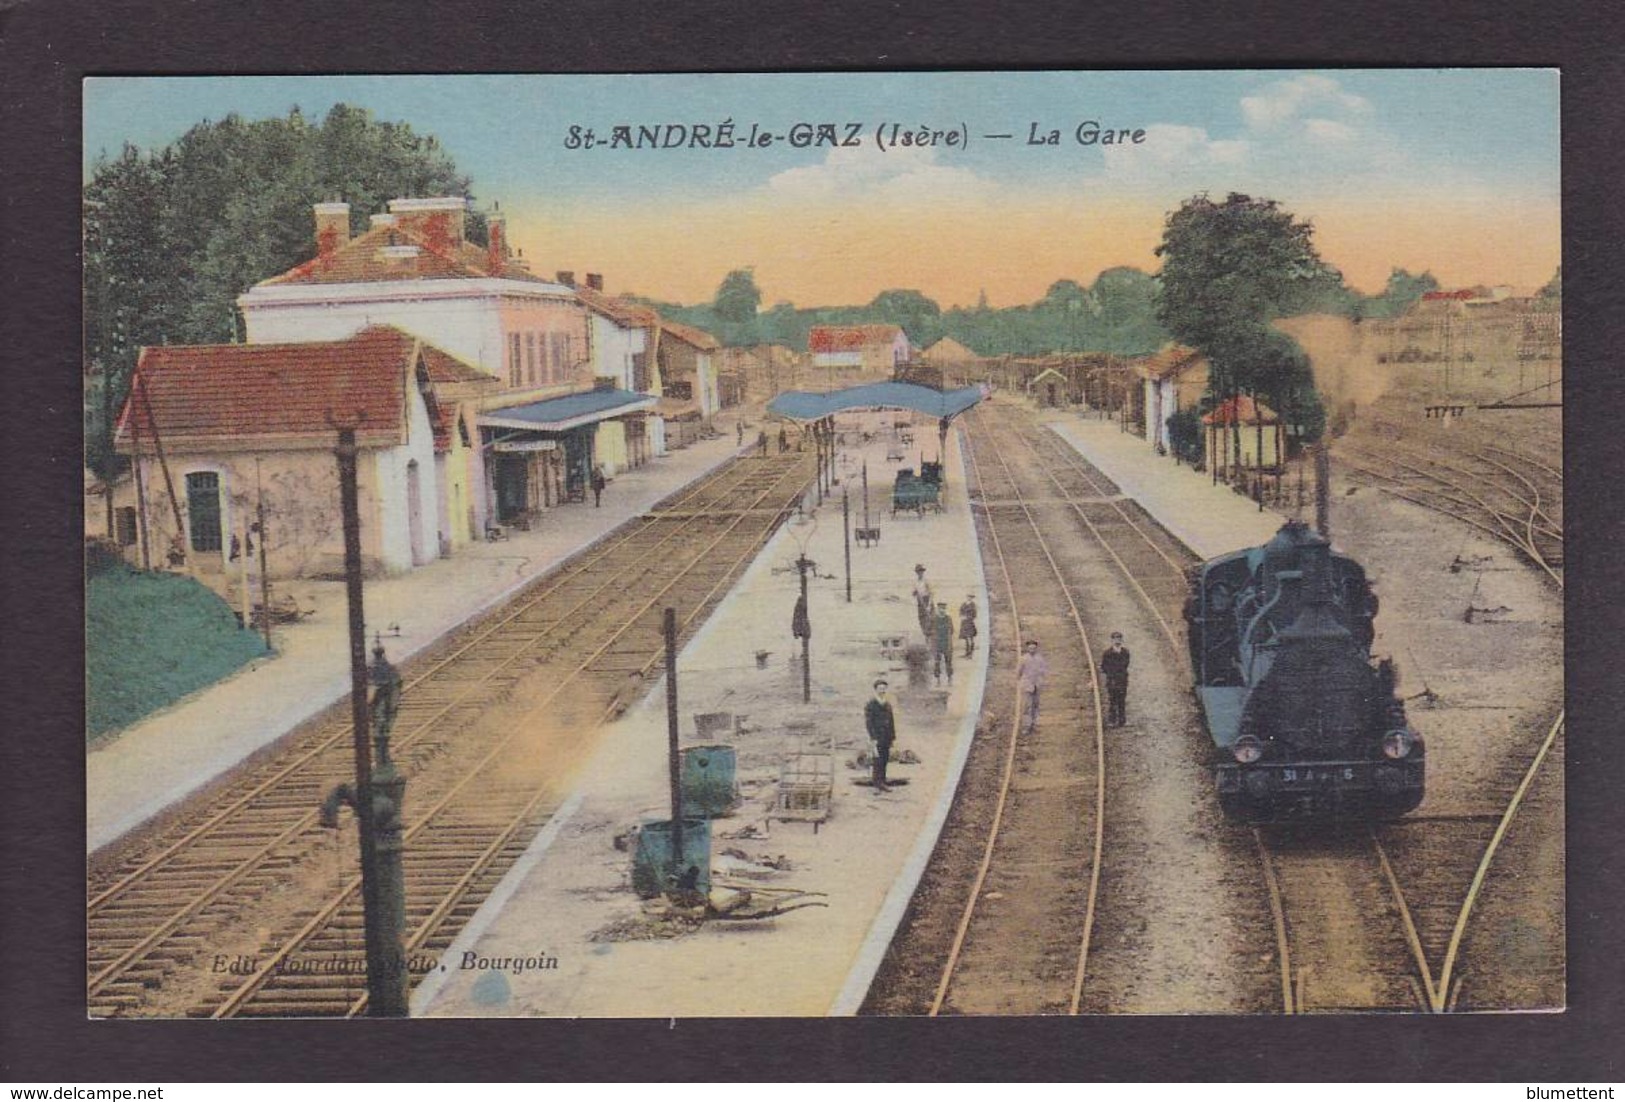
(1397, 744)
(1247, 749)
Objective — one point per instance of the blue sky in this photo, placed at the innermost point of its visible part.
(1324, 142)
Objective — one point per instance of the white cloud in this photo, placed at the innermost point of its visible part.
(1285, 100)
(1169, 148)
(1329, 131)
(899, 175)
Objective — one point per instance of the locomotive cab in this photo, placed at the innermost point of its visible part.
(1304, 724)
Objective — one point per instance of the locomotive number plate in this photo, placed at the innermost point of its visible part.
(1301, 775)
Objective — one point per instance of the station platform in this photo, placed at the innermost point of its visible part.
(1210, 518)
(138, 772)
(565, 935)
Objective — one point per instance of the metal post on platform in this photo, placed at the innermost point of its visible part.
(673, 758)
(386, 972)
(265, 575)
(846, 529)
(1323, 490)
(802, 563)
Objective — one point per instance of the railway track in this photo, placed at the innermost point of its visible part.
(1500, 497)
(243, 905)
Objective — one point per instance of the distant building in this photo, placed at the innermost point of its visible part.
(689, 394)
(211, 430)
(415, 268)
(1175, 378)
(622, 340)
(1242, 433)
(947, 352)
(869, 349)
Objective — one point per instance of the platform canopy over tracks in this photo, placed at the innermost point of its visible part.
(805, 405)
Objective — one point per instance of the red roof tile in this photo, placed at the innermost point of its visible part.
(362, 260)
(618, 310)
(1171, 359)
(849, 338)
(699, 338)
(1241, 408)
(234, 396)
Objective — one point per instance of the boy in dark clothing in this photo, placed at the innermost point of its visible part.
(1114, 665)
(881, 721)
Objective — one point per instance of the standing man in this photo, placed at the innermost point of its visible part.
(784, 440)
(761, 443)
(739, 433)
(597, 486)
(1030, 678)
(922, 599)
(881, 721)
(1114, 665)
(942, 642)
(967, 623)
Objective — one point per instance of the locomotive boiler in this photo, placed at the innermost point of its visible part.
(1305, 724)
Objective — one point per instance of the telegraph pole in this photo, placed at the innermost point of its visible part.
(265, 574)
(802, 563)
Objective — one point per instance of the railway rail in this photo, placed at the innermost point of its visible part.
(238, 870)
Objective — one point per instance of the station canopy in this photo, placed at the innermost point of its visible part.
(805, 405)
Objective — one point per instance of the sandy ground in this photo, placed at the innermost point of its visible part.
(568, 908)
(141, 770)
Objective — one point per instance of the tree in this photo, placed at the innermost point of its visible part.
(910, 309)
(1402, 291)
(1228, 270)
(1236, 264)
(1554, 288)
(737, 298)
(174, 235)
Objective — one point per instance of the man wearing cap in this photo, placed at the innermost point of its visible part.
(942, 642)
(1114, 666)
(881, 721)
(1030, 678)
(967, 624)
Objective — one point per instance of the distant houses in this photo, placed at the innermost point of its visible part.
(487, 396)
(858, 349)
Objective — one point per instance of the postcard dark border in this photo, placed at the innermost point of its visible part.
(47, 47)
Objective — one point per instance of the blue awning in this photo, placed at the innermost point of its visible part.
(805, 405)
(567, 411)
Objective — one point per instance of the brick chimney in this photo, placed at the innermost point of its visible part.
(332, 227)
(496, 254)
(439, 221)
(595, 281)
(566, 278)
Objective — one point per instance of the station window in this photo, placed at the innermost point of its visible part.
(530, 358)
(203, 507)
(514, 368)
(124, 525)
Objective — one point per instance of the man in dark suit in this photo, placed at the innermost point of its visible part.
(881, 720)
(1114, 665)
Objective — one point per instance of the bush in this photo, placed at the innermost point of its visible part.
(152, 638)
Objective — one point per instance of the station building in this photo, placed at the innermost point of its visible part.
(1174, 379)
(858, 349)
(215, 432)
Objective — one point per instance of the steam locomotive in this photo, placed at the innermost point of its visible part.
(1305, 725)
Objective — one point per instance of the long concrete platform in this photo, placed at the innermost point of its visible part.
(1209, 518)
(145, 768)
(565, 935)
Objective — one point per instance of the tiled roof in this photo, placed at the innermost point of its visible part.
(445, 368)
(628, 315)
(232, 397)
(699, 338)
(364, 259)
(1242, 409)
(849, 338)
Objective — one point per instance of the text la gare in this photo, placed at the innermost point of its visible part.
(1088, 132)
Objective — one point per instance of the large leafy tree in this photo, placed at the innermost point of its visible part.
(172, 236)
(737, 298)
(913, 311)
(1400, 293)
(1229, 269)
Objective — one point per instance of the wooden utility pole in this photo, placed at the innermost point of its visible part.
(265, 574)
